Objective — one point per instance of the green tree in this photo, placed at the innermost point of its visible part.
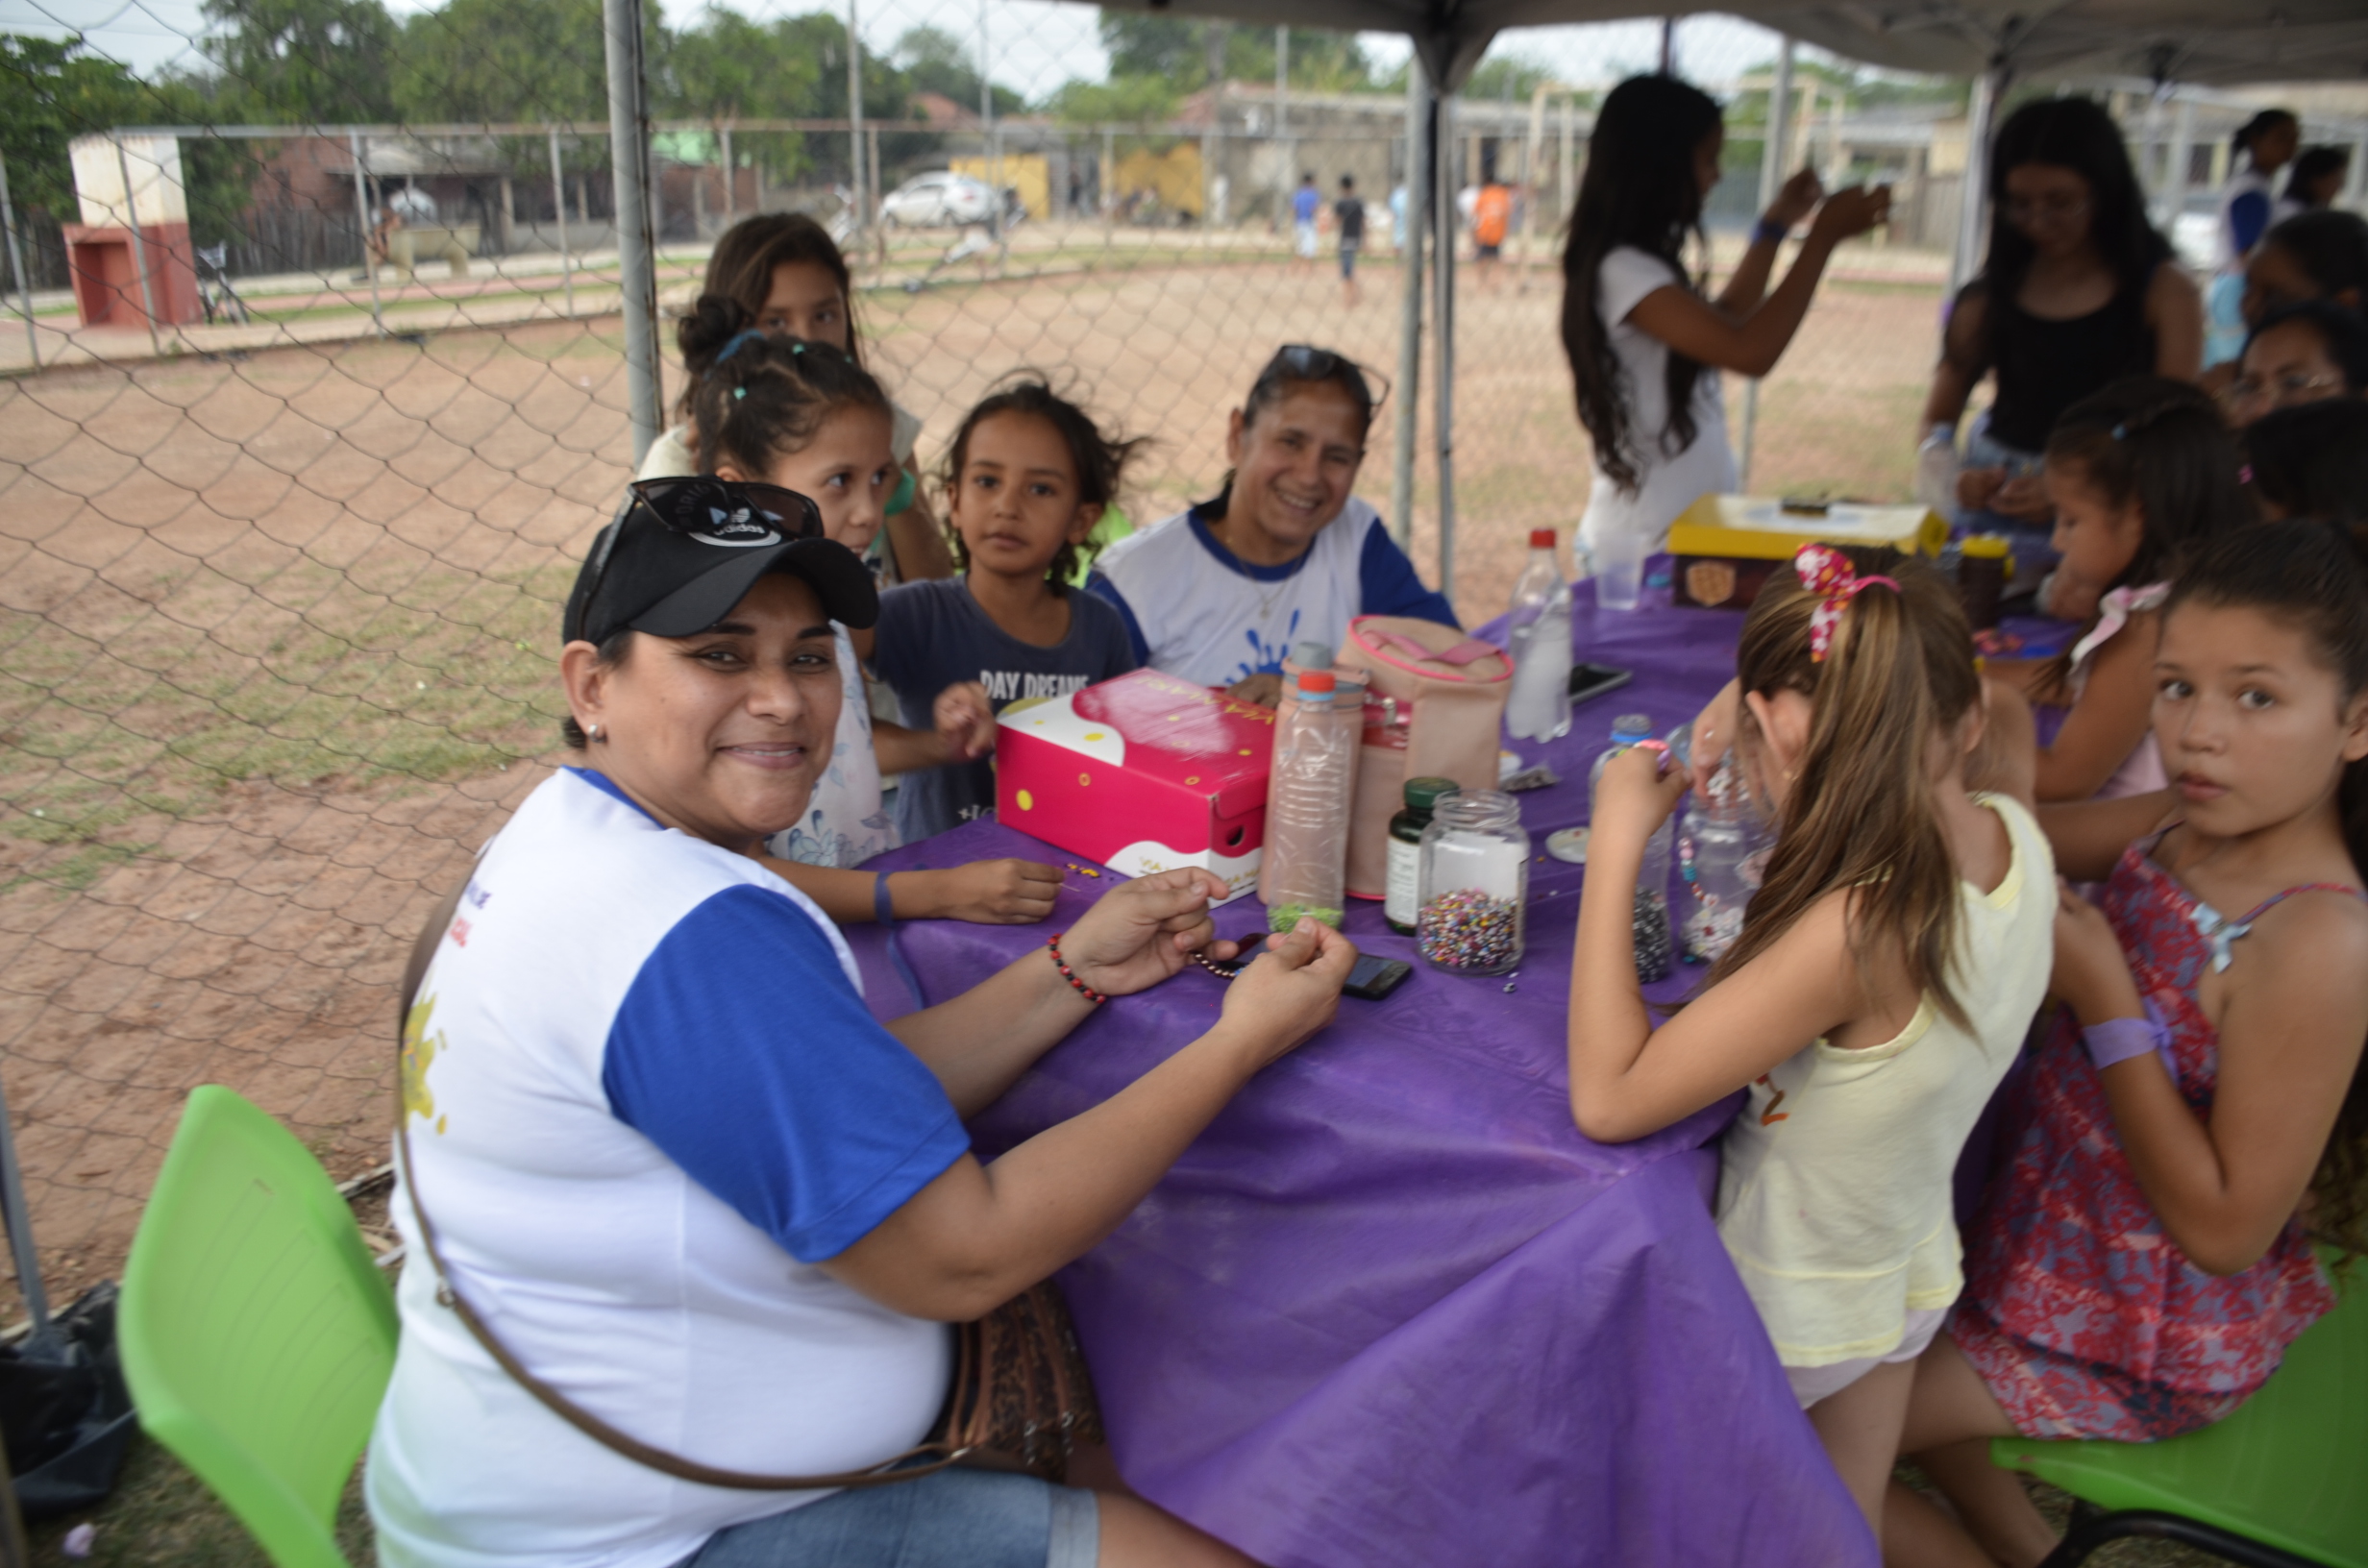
(1122, 100)
(1176, 50)
(730, 66)
(303, 61)
(513, 60)
(935, 60)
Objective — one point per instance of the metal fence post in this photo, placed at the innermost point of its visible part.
(16, 259)
(1420, 105)
(1973, 198)
(855, 125)
(361, 212)
(139, 248)
(1443, 400)
(558, 202)
(628, 156)
(1771, 180)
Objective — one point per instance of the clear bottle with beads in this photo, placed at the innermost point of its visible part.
(1475, 884)
(1718, 859)
(1649, 925)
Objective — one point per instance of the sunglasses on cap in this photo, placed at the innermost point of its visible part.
(701, 503)
(1305, 362)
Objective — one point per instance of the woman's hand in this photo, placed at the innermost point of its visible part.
(2092, 974)
(965, 720)
(1291, 992)
(983, 893)
(1140, 932)
(1976, 486)
(1635, 795)
(1798, 199)
(1849, 213)
(1266, 689)
(2024, 497)
(1713, 732)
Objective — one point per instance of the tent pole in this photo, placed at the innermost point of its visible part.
(1973, 199)
(628, 137)
(1771, 180)
(1442, 399)
(1419, 107)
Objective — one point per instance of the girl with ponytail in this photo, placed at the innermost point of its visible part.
(2196, 1115)
(1886, 971)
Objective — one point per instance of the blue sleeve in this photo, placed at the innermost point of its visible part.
(743, 1053)
(2249, 219)
(893, 636)
(1103, 588)
(1387, 584)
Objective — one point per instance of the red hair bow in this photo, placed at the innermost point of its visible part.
(1825, 572)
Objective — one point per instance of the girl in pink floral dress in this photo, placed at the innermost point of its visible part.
(2197, 1116)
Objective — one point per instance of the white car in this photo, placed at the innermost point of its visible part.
(938, 200)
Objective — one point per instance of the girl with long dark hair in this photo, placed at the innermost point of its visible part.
(2077, 291)
(1645, 346)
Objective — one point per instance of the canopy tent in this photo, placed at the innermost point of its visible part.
(2206, 42)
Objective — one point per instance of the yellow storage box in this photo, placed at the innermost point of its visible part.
(1726, 546)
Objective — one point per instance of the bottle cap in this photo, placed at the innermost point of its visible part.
(1542, 538)
(1991, 546)
(1632, 726)
(1316, 681)
(1422, 793)
(1311, 655)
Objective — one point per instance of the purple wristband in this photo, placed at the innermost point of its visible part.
(2117, 1039)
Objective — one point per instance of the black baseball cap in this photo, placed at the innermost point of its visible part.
(683, 552)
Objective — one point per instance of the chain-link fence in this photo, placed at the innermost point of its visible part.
(317, 383)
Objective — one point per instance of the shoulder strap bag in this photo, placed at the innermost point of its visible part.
(1021, 1391)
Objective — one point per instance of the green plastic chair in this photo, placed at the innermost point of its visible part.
(2281, 1483)
(258, 1333)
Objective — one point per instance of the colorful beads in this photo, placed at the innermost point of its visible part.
(1649, 927)
(1468, 931)
(1053, 943)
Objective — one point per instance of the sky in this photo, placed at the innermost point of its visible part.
(1035, 44)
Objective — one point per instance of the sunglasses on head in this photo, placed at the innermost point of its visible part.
(1305, 362)
(701, 503)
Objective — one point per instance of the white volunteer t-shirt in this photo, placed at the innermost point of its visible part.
(1668, 484)
(645, 1099)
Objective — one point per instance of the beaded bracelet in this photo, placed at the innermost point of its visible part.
(1053, 944)
(1769, 232)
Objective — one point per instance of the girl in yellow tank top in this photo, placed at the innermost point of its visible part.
(1885, 973)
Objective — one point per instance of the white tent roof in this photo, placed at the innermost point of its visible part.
(2222, 42)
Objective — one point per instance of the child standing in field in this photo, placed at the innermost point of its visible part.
(1883, 981)
(1028, 480)
(2140, 475)
(2143, 1262)
(805, 417)
(785, 271)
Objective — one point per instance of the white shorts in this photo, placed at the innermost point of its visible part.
(1812, 1385)
(1307, 240)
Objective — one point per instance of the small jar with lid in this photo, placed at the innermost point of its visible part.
(1473, 885)
(1985, 565)
(1402, 892)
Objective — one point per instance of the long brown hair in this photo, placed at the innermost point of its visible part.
(2311, 576)
(764, 397)
(1861, 816)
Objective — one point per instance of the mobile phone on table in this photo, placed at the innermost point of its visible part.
(1594, 679)
(1373, 976)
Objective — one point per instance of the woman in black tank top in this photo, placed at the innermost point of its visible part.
(2077, 291)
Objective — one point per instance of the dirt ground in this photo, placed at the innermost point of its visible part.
(276, 635)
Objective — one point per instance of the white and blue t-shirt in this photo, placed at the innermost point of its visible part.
(646, 1100)
(1199, 612)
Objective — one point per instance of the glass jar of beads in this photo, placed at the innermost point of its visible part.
(1474, 884)
(1716, 851)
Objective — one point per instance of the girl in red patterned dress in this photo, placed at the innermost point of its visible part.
(2198, 1116)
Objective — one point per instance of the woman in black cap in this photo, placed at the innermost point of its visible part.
(680, 1205)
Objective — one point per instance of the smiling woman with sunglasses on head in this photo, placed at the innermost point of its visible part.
(699, 1222)
(2077, 291)
(1220, 593)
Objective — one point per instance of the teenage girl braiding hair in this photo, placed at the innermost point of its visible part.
(805, 417)
(2197, 1114)
(1644, 346)
(786, 276)
(1884, 976)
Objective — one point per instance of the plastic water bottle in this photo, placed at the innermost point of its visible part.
(1649, 920)
(1305, 867)
(1537, 631)
(1717, 858)
(1936, 470)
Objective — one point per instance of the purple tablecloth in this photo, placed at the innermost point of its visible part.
(1391, 1308)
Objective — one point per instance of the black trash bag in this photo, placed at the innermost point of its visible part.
(64, 1410)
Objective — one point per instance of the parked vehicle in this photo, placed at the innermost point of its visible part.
(937, 200)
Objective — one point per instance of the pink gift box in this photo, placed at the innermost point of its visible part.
(1143, 774)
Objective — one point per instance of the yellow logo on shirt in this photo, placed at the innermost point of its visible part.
(419, 1048)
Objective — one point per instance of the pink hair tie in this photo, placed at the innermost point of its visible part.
(1826, 572)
